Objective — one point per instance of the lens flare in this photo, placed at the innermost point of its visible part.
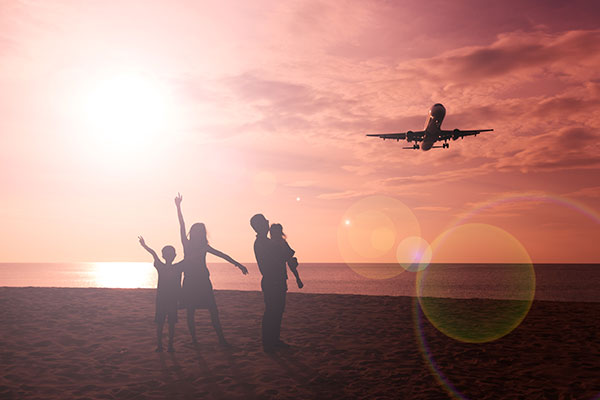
(372, 234)
(369, 232)
(443, 287)
(427, 356)
(419, 312)
(414, 253)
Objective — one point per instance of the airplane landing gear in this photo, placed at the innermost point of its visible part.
(445, 145)
(416, 147)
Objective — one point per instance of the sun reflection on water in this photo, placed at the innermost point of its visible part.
(123, 274)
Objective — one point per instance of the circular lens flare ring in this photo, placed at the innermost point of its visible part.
(369, 233)
(414, 253)
(443, 288)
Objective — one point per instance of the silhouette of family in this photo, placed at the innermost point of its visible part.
(272, 255)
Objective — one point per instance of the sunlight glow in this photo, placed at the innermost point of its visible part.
(264, 183)
(125, 110)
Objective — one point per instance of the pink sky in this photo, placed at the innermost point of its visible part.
(267, 102)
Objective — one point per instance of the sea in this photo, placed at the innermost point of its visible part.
(556, 282)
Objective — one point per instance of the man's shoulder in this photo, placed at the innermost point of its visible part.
(262, 242)
(263, 252)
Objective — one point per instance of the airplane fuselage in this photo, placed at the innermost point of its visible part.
(431, 133)
(433, 125)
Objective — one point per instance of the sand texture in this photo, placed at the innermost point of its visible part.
(99, 344)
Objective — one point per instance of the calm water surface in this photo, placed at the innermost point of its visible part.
(561, 282)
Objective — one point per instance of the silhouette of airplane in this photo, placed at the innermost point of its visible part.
(432, 133)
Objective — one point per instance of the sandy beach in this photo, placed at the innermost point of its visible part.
(99, 344)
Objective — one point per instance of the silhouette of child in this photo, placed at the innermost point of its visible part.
(167, 292)
(279, 238)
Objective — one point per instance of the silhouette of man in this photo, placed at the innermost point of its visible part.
(272, 265)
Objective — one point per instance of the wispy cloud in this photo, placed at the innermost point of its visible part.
(432, 208)
(592, 192)
(514, 55)
(348, 194)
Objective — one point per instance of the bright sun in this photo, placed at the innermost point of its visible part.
(126, 111)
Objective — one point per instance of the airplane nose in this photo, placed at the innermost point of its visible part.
(438, 111)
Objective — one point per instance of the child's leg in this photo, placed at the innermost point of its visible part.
(160, 322)
(191, 323)
(214, 317)
(297, 275)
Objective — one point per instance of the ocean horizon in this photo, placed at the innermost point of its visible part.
(555, 282)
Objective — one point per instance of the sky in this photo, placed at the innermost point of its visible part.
(109, 109)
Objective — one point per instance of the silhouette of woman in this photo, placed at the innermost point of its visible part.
(197, 290)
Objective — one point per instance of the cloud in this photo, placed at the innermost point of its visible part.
(592, 192)
(511, 54)
(302, 184)
(568, 148)
(348, 194)
(279, 97)
(432, 208)
(507, 205)
(441, 177)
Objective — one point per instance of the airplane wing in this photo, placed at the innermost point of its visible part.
(416, 136)
(458, 133)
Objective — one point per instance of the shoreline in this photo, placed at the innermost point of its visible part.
(99, 343)
(302, 292)
(561, 283)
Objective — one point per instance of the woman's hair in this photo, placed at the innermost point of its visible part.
(277, 230)
(198, 234)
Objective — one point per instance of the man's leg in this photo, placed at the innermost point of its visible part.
(279, 308)
(269, 317)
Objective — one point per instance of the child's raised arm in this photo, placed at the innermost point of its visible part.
(148, 249)
(178, 200)
(227, 258)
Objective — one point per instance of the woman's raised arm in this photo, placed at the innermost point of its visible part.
(178, 200)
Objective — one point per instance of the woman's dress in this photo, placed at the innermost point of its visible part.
(197, 290)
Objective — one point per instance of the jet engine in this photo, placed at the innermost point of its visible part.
(456, 134)
(410, 136)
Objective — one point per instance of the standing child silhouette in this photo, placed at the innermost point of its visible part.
(279, 239)
(167, 292)
(197, 291)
